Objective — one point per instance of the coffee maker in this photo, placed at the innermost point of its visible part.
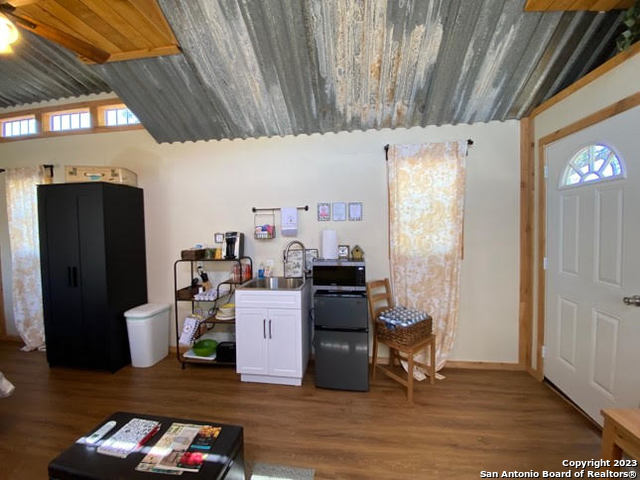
(234, 245)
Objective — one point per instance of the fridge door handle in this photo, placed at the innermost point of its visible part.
(74, 274)
(69, 284)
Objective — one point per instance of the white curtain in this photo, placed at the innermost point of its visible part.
(22, 212)
(426, 208)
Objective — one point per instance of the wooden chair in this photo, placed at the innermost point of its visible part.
(380, 299)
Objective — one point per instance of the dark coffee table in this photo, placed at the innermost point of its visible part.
(81, 461)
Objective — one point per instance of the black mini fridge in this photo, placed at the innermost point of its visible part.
(341, 340)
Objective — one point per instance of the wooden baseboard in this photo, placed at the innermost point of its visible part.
(455, 364)
(10, 338)
(471, 365)
(484, 365)
(535, 373)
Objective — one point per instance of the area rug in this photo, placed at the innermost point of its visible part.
(266, 471)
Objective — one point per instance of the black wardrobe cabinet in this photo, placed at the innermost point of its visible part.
(92, 254)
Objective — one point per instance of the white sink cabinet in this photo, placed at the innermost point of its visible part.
(272, 335)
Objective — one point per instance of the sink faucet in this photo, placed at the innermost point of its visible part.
(285, 256)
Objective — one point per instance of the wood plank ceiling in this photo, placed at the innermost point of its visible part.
(96, 30)
(575, 5)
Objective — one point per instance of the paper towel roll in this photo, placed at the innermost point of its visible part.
(329, 244)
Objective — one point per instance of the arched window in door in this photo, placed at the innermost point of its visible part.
(593, 163)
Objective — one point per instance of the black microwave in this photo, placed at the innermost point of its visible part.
(342, 275)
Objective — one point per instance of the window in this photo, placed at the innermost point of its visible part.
(99, 116)
(592, 164)
(114, 117)
(59, 122)
(18, 127)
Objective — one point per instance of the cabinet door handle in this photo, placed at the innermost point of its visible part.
(74, 273)
(269, 328)
(264, 328)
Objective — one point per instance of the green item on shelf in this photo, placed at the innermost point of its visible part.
(204, 348)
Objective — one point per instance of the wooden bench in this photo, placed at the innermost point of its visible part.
(621, 433)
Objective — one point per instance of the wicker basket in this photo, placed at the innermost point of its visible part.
(192, 254)
(404, 335)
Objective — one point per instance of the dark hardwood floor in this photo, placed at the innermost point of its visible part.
(474, 420)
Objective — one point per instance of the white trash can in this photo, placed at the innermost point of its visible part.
(148, 328)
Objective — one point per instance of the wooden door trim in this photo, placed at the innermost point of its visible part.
(597, 117)
(587, 79)
(527, 201)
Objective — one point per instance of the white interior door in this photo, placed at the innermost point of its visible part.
(593, 261)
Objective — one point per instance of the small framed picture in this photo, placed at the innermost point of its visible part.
(324, 212)
(310, 255)
(339, 211)
(355, 211)
(218, 238)
(293, 266)
(343, 252)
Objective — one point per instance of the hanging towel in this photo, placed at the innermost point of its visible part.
(289, 221)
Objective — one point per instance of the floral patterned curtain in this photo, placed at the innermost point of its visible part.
(22, 212)
(426, 207)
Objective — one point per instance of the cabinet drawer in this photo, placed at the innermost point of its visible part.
(268, 299)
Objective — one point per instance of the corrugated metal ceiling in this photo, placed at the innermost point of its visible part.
(275, 67)
(39, 70)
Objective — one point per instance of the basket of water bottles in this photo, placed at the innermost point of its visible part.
(403, 326)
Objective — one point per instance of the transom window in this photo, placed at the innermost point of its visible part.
(114, 117)
(69, 121)
(592, 164)
(19, 127)
(98, 116)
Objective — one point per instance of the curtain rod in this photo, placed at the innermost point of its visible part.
(386, 148)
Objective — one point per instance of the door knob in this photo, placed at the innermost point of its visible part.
(635, 300)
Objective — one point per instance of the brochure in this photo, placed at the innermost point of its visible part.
(135, 433)
(183, 448)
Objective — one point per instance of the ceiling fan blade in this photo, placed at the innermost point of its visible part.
(78, 46)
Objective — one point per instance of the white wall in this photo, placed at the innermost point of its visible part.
(616, 84)
(193, 190)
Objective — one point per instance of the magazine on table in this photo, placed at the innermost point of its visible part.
(183, 448)
(135, 433)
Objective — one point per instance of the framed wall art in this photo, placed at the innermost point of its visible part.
(310, 255)
(293, 266)
(324, 212)
(339, 210)
(355, 211)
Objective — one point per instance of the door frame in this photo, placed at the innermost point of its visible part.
(612, 110)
